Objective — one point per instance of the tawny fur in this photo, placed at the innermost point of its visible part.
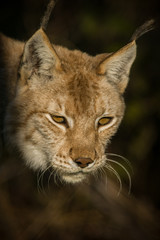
(39, 80)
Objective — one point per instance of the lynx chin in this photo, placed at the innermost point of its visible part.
(60, 107)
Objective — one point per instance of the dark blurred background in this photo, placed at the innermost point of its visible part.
(92, 211)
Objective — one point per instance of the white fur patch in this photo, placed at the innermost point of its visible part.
(34, 157)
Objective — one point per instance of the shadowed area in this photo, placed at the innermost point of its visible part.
(32, 206)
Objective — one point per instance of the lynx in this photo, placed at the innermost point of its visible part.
(59, 107)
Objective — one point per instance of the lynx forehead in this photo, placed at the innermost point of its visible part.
(64, 106)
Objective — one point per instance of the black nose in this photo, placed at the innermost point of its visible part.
(83, 162)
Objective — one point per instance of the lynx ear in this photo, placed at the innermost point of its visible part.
(39, 56)
(116, 67)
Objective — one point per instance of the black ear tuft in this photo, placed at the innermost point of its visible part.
(146, 27)
(47, 14)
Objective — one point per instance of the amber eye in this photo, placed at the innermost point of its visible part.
(59, 119)
(104, 121)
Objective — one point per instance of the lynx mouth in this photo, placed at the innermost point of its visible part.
(74, 177)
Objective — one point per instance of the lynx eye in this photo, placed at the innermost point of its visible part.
(104, 121)
(59, 119)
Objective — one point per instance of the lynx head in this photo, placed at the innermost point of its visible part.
(67, 106)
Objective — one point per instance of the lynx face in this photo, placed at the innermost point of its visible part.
(67, 106)
(66, 123)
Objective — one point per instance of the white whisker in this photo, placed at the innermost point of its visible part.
(39, 180)
(126, 171)
(122, 158)
(55, 175)
(109, 167)
(96, 174)
(49, 178)
(40, 176)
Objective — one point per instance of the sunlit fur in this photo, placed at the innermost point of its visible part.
(45, 80)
